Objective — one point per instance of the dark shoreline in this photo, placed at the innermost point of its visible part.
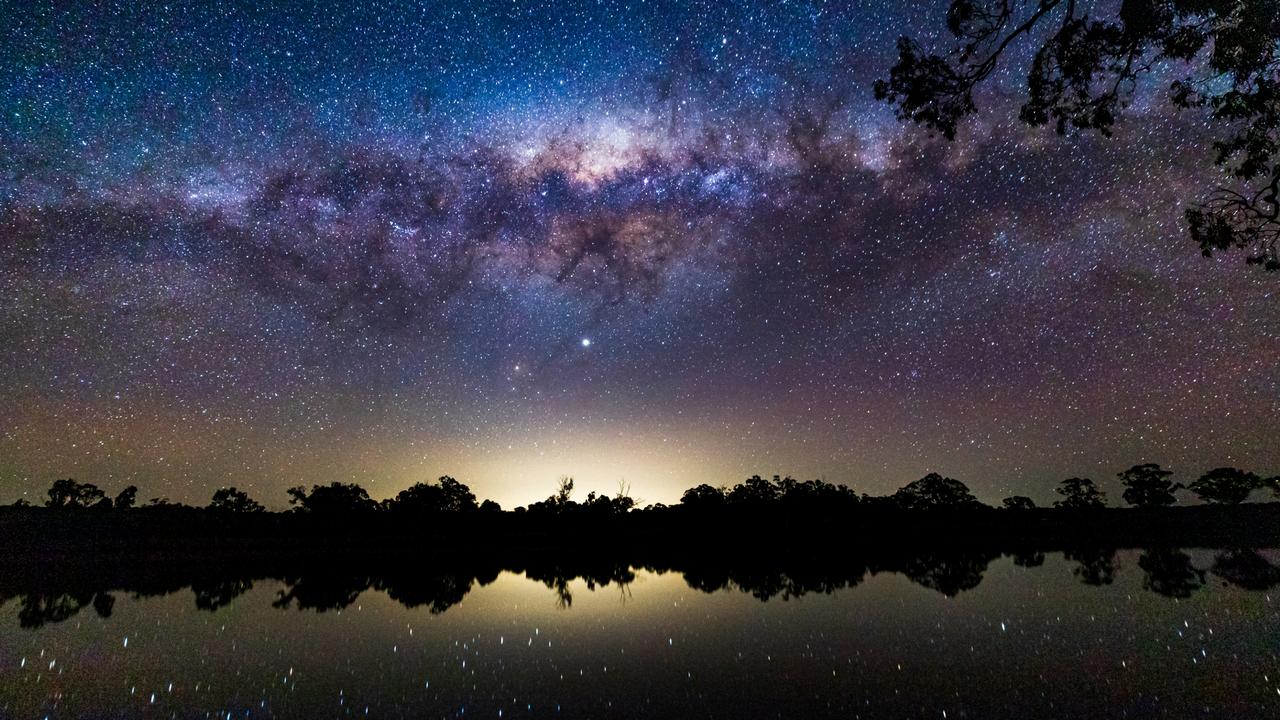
(36, 534)
(57, 563)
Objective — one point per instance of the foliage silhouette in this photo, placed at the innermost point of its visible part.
(1245, 568)
(68, 493)
(703, 497)
(322, 592)
(435, 591)
(126, 498)
(948, 573)
(37, 610)
(755, 491)
(218, 593)
(935, 491)
(421, 499)
(1079, 493)
(1147, 485)
(332, 500)
(229, 499)
(1225, 485)
(1169, 572)
(1094, 566)
(1087, 68)
(1018, 502)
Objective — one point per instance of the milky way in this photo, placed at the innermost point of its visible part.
(665, 243)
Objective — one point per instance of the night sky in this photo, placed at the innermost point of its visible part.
(670, 243)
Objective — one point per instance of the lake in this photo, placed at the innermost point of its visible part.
(1161, 633)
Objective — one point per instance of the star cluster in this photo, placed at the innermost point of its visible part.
(669, 243)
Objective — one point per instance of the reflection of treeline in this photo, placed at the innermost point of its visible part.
(447, 514)
(49, 594)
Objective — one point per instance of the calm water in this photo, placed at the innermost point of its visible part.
(1026, 642)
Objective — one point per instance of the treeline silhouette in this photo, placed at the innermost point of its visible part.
(80, 517)
(53, 594)
(1145, 485)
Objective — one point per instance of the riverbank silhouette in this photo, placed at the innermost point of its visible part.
(755, 516)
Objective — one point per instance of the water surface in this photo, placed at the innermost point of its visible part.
(1146, 634)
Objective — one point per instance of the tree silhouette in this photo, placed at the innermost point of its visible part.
(703, 497)
(447, 496)
(815, 496)
(37, 609)
(1094, 566)
(332, 499)
(559, 502)
(127, 498)
(68, 493)
(1147, 485)
(1018, 502)
(1169, 573)
(620, 503)
(1246, 569)
(935, 491)
(950, 573)
(564, 491)
(1079, 493)
(229, 499)
(212, 595)
(322, 591)
(755, 491)
(1225, 486)
(1087, 69)
(438, 591)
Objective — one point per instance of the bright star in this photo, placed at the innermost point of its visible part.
(586, 342)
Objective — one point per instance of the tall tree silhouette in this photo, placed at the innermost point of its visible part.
(1079, 493)
(1087, 68)
(1147, 485)
(1225, 485)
